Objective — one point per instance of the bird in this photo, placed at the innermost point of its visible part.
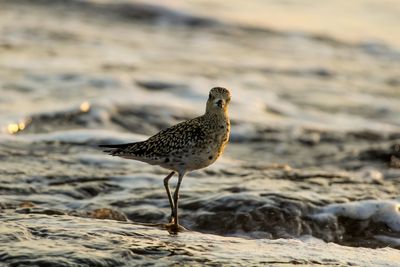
(187, 146)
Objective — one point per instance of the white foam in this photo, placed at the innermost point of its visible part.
(385, 211)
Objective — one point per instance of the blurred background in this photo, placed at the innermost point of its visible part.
(314, 149)
(326, 64)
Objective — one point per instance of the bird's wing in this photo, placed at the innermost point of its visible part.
(184, 135)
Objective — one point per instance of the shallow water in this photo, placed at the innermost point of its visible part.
(311, 174)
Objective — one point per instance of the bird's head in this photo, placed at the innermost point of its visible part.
(218, 100)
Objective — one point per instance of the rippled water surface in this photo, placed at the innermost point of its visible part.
(311, 174)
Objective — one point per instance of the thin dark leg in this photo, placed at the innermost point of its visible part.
(166, 180)
(176, 196)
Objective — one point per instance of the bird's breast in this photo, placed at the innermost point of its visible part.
(204, 151)
(208, 152)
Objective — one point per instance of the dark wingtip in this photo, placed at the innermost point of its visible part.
(114, 146)
(111, 149)
(103, 145)
(117, 145)
(115, 150)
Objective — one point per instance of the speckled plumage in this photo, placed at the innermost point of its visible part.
(187, 146)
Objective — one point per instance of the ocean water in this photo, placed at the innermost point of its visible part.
(311, 174)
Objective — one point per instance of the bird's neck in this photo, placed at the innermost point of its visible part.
(220, 114)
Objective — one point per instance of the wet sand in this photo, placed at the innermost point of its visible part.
(311, 175)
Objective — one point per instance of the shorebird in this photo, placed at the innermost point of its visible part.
(187, 146)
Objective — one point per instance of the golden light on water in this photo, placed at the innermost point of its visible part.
(13, 128)
(21, 125)
(85, 106)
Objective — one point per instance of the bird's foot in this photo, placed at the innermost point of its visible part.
(173, 228)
